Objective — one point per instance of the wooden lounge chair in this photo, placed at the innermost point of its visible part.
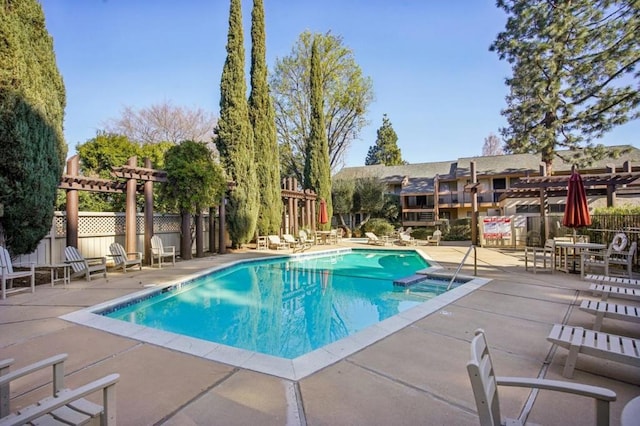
(8, 274)
(291, 240)
(595, 343)
(373, 239)
(616, 292)
(87, 266)
(65, 406)
(484, 384)
(276, 244)
(610, 310)
(406, 240)
(435, 238)
(123, 259)
(159, 251)
(615, 281)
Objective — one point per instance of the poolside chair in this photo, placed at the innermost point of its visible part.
(605, 259)
(87, 266)
(373, 239)
(276, 244)
(291, 240)
(8, 274)
(604, 310)
(484, 384)
(538, 257)
(406, 239)
(64, 406)
(305, 238)
(122, 259)
(595, 343)
(159, 251)
(435, 238)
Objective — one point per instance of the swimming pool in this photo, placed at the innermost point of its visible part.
(317, 304)
(286, 307)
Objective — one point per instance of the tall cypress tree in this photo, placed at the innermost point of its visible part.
(32, 102)
(317, 170)
(263, 119)
(235, 137)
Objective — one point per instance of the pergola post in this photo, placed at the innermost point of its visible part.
(212, 230)
(544, 207)
(148, 215)
(474, 205)
(72, 204)
(222, 245)
(130, 210)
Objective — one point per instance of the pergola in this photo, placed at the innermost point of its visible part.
(299, 207)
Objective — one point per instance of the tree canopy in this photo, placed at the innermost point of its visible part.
(163, 122)
(317, 173)
(235, 136)
(262, 117)
(492, 145)
(574, 74)
(32, 147)
(386, 150)
(347, 94)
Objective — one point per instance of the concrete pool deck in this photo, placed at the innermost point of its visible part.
(415, 376)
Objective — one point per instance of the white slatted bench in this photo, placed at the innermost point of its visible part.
(617, 281)
(610, 310)
(614, 291)
(594, 343)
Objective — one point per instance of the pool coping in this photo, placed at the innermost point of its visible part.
(290, 369)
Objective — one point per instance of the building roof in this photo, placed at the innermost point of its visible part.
(494, 165)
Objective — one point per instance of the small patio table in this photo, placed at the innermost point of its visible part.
(576, 248)
(55, 272)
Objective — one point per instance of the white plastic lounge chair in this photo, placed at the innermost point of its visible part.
(610, 310)
(159, 251)
(122, 259)
(290, 239)
(373, 239)
(64, 406)
(616, 292)
(305, 239)
(435, 238)
(595, 343)
(406, 240)
(615, 281)
(484, 384)
(87, 266)
(544, 257)
(8, 274)
(276, 244)
(605, 259)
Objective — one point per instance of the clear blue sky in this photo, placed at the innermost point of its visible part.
(429, 61)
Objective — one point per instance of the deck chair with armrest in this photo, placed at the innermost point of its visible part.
(435, 238)
(160, 251)
(484, 384)
(122, 259)
(276, 244)
(87, 266)
(64, 406)
(8, 273)
(373, 239)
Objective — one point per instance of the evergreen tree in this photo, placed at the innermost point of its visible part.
(573, 66)
(32, 147)
(386, 150)
(317, 171)
(235, 136)
(263, 119)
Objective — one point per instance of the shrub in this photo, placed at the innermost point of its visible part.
(377, 226)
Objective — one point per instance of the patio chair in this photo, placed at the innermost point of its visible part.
(544, 257)
(87, 266)
(373, 239)
(406, 239)
(604, 310)
(159, 251)
(605, 259)
(291, 240)
(276, 244)
(64, 406)
(484, 384)
(435, 238)
(305, 239)
(122, 259)
(8, 274)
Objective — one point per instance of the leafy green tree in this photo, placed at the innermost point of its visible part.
(347, 94)
(235, 136)
(262, 118)
(32, 147)
(342, 191)
(386, 150)
(369, 196)
(194, 181)
(317, 172)
(574, 65)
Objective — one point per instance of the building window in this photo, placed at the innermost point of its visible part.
(527, 208)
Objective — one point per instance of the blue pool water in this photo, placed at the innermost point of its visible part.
(286, 307)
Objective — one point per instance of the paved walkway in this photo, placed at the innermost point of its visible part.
(414, 376)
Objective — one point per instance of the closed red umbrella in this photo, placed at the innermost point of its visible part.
(576, 213)
(323, 216)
